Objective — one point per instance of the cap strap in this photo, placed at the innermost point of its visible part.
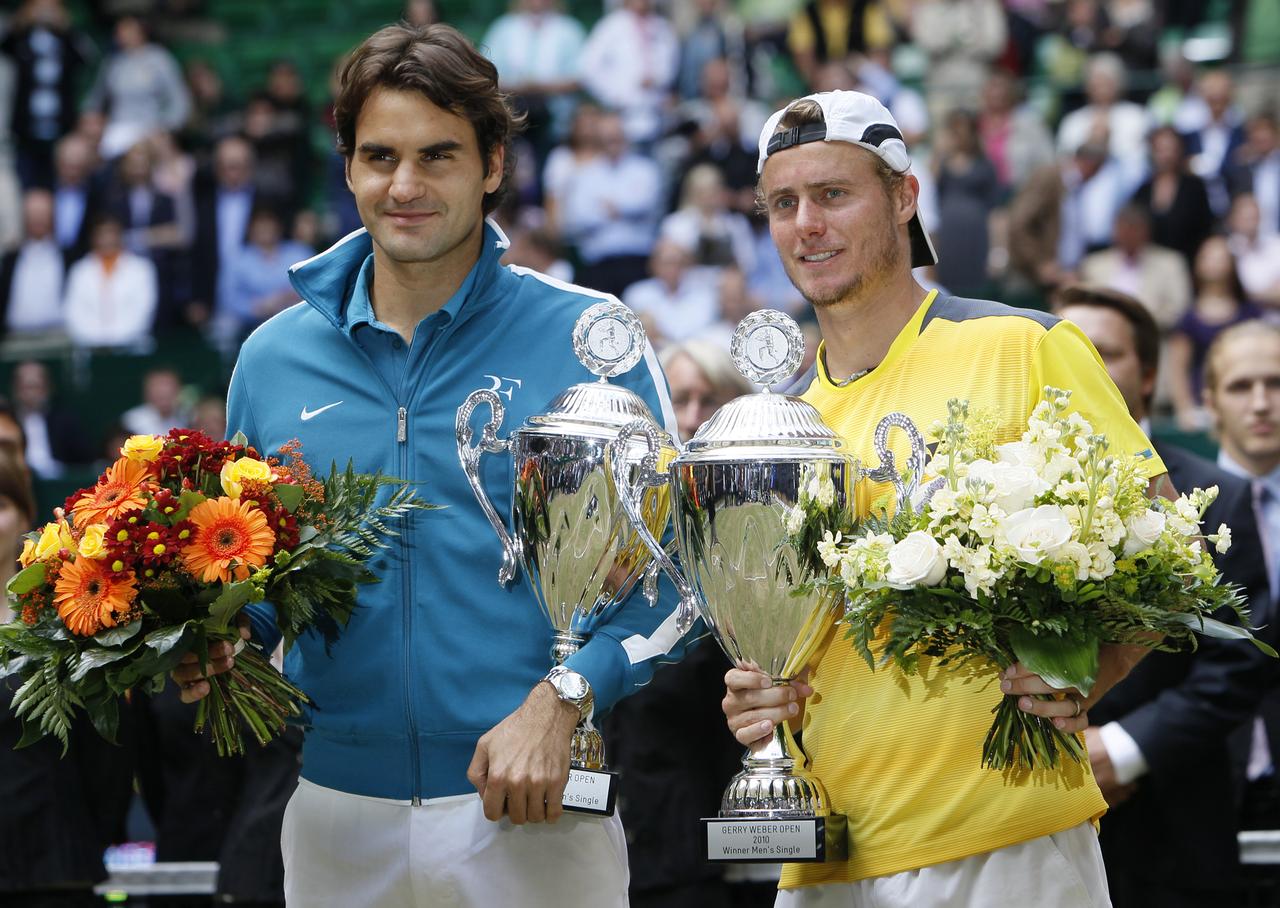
(797, 135)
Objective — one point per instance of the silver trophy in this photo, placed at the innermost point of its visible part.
(733, 489)
(569, 532)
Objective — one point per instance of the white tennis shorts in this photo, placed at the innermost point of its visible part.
(1063, 870)
(343, 850)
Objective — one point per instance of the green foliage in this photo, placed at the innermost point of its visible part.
(316, 584)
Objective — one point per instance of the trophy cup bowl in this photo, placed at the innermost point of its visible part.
(733, 490)
(578, 548)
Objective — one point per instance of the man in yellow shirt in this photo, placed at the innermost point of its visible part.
(901, 755)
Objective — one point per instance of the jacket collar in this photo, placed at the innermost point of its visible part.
(326, 281)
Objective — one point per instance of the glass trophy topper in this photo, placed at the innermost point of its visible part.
(767, 347)
(608, 339)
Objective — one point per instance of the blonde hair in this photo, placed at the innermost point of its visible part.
(713, 362)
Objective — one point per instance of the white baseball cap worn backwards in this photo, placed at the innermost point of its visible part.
(857, 118)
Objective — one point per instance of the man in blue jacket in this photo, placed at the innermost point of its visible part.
(426, 697)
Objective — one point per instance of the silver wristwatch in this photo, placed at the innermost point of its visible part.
(572, 688)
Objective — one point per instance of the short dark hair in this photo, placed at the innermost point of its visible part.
(443, 66)
(1146, 334)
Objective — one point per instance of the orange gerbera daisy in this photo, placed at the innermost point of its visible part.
(119, 491)
(89, 597)
(231, 539)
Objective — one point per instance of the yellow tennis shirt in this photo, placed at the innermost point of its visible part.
(901, 755)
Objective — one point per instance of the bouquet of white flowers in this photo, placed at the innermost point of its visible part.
(1037, 551)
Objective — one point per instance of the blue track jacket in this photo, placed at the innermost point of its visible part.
(438, 653)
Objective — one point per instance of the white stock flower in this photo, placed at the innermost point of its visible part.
(1035, 534)
(795, 520)
(826, 496)
(917, 560)
(1143, 531)
(985, 521)
(1222, 539)
(829, 549)
(1077, 554)
(1016, 486)
(1058, 467)
(1102, 561)
(943, 504)
(1109, 526)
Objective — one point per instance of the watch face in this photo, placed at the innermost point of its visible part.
(573, 685)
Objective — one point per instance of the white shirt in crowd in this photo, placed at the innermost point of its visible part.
(681, 313)
(611, 207)
(35, 295)
(687, 227)
(110, 309)
(1266, 189)
(629, 64)
(39, 448)
(1127, 127)
(1258, 263)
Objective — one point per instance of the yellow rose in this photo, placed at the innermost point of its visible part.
(28, 556)
(246, 469)
(91, 544)
(53, 538)
(143, 448)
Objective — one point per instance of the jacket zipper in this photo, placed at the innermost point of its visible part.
(402, 438)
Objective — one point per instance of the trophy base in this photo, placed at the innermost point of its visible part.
(804, 840)
(591, 791)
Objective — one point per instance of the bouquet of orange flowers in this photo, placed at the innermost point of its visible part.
(158, 558)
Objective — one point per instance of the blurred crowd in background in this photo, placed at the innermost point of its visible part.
(162, 163)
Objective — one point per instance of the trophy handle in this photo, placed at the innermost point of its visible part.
(469, 455)
(629, 495)
(917, 460)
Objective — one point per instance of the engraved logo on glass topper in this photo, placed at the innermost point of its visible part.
(608, 339)
(767, 347)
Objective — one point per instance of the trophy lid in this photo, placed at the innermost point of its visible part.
(592, 408)
(767, 348)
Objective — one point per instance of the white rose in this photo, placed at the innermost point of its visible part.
(917, 560)
(1020, 454)
(1016, 486)
(1037, 533)
(1143, 531)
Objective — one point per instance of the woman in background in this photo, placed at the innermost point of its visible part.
(1219, 303)
(60, 812)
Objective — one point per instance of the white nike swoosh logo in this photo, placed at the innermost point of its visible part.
(311, 414)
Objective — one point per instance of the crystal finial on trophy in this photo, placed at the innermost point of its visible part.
(733, 489)
(580, 554)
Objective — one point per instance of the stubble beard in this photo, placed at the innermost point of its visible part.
(883, 260)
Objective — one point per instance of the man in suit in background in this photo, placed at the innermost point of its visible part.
(1158, 744)
(224, 201)
(1242, 397)
(32, 275)
(55, 438)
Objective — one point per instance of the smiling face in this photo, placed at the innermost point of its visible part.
(419, 179)
(838, 231)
